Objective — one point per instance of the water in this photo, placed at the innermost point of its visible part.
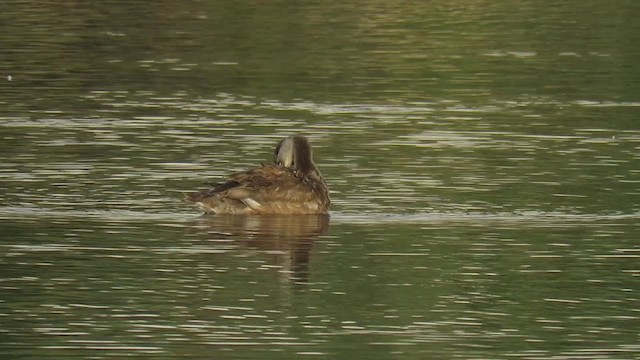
(482, 158)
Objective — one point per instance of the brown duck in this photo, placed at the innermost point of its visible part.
(291, 185)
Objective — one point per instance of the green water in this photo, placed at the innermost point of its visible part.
(483, 160)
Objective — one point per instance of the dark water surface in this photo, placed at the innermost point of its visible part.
(483, 160)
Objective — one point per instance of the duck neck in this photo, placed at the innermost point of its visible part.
(303, 157)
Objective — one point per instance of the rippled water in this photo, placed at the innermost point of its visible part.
(483, 161)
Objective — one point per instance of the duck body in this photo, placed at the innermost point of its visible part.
(291, 185)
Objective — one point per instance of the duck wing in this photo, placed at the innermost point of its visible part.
(248, 185)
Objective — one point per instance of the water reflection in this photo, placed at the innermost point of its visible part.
(288, 239)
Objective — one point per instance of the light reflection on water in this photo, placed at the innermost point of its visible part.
(482, 159)
(460, 283)
(451, 233)
(470, 162)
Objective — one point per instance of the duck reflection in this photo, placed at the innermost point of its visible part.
(289, 239)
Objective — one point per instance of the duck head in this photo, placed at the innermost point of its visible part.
(295, 152)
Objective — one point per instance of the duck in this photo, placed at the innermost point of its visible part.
(292, 184)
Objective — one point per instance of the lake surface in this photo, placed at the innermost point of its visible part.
(483, 160)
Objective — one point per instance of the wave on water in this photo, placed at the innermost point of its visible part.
(525, 218)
